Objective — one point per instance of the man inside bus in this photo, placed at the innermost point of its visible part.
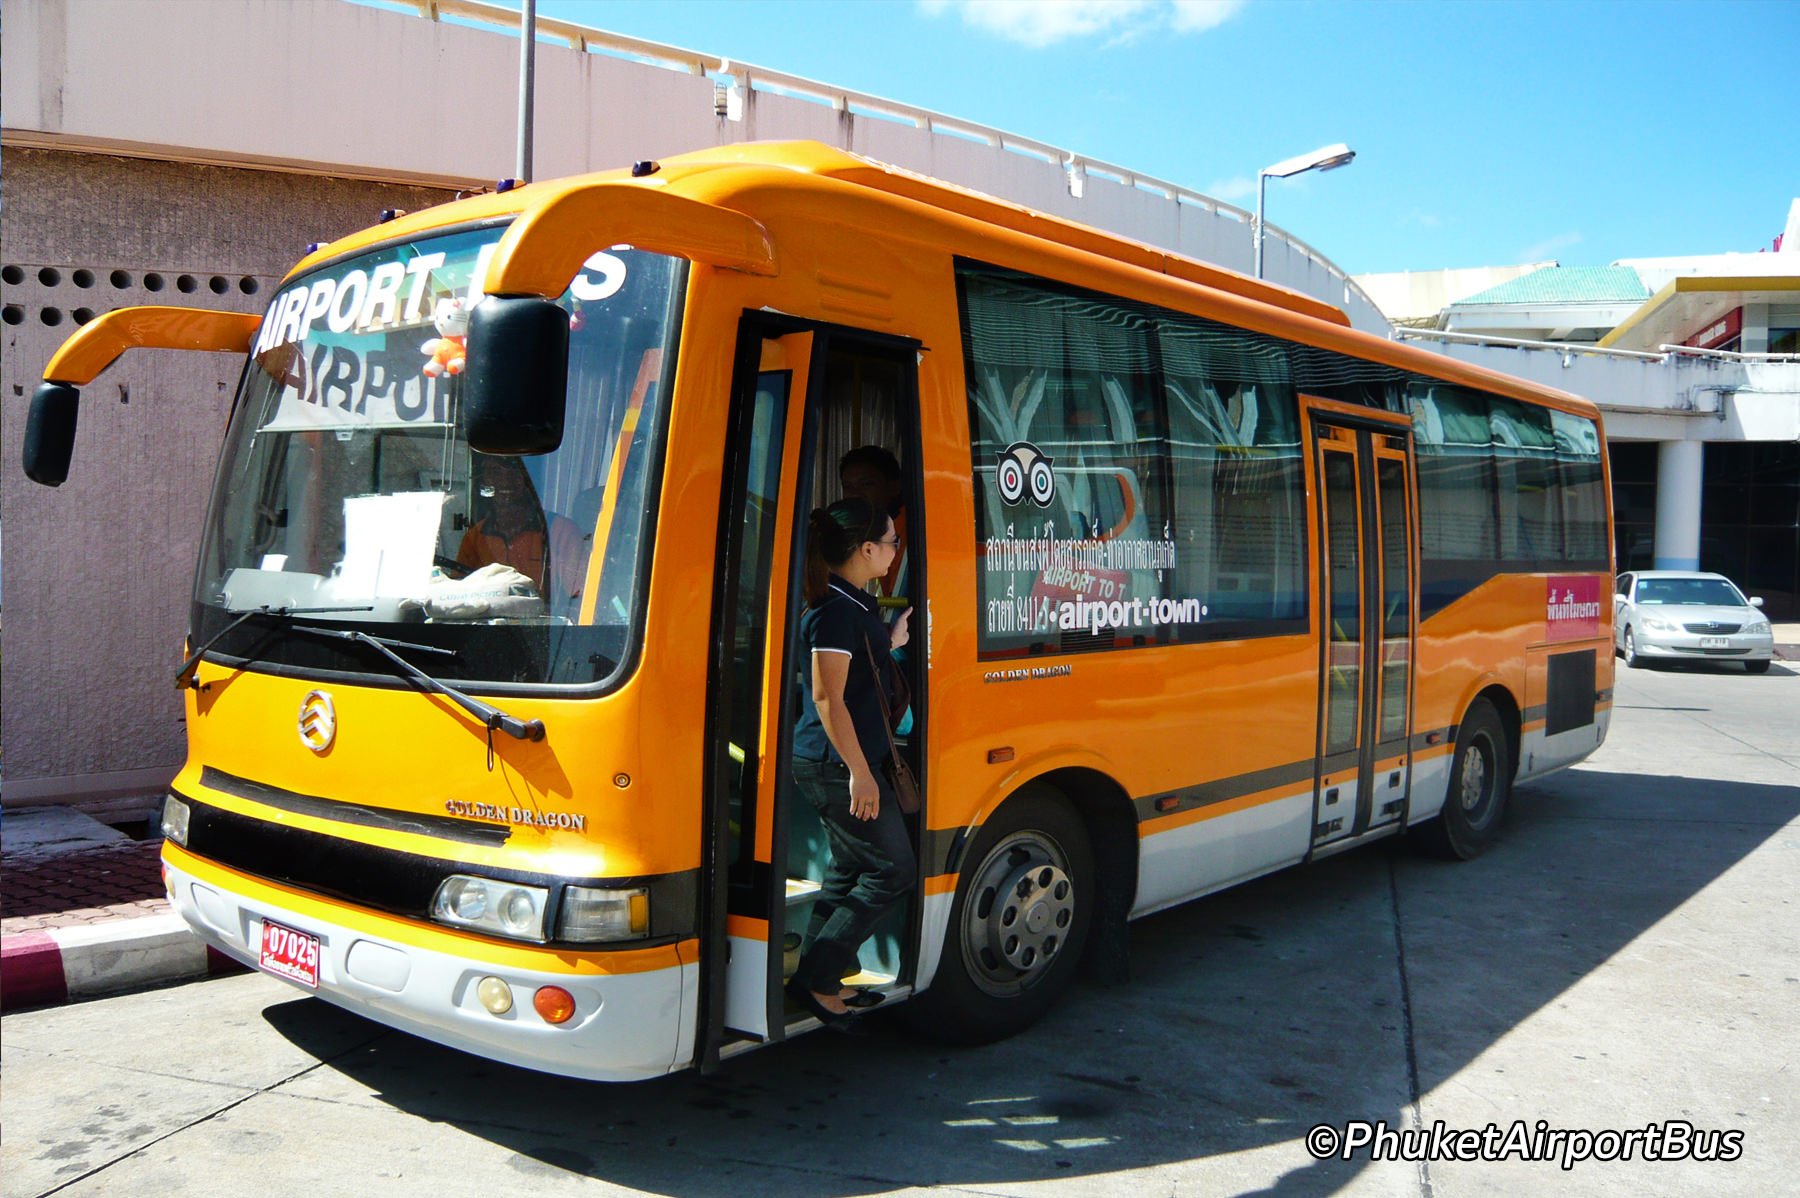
(871, 473)
(510, 527)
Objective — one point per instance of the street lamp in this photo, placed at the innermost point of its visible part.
(1325, 158)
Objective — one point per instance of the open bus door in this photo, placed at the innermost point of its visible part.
(798, 390)
(764, 439)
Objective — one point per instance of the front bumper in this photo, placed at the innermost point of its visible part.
(1687, 645)
(634, 1010)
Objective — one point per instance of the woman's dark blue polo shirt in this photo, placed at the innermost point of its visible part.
(844, 621)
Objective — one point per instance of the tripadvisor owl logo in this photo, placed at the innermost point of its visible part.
(1024, 471)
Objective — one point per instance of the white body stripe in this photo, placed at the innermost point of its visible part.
(1540, 754)
(1211, 854)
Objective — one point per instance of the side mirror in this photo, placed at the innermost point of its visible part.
(1756, 601)
(516, 375)
(50, 433)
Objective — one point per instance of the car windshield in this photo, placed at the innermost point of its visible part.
(1688, 592)
(347, 492)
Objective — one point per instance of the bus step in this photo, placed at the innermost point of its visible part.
(866, 979)
(802, 890)
(797, 1023)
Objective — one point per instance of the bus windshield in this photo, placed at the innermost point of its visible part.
(347, 493)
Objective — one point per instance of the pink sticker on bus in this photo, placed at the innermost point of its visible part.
(1572, 607)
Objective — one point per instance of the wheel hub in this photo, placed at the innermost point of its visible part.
(1474, 778)
(1019, 913)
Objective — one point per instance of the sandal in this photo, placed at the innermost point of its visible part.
(862, 1000)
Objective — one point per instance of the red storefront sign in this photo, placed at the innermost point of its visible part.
(1572, 607)
(1722, 331)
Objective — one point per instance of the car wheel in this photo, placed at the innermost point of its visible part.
(1480, 786)
(1632, 660)
(1756, 667)
(1022, 911)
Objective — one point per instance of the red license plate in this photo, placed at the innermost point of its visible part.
(290, 954)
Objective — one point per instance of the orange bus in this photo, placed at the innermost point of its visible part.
(492, 676)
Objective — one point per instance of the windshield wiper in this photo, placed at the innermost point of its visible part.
(188, 674)
(491, 717)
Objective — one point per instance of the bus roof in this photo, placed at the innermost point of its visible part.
(1317, 321)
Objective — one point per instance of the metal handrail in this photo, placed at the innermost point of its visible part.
(1561, 347)
(841, 99)
(1727, 355)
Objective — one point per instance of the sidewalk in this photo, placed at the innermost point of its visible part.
(83, 912)
(1787, 642)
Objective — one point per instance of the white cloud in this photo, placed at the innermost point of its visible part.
(1548, 248)
(1197, 16)
(1040, 23)
(1240, 187)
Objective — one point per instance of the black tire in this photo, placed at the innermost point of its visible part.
(1481, 775)
(1756, 667)
(1000, 973)
(1632, 660)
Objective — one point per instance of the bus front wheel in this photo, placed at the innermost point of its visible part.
(1480, 785)
(1023, 907)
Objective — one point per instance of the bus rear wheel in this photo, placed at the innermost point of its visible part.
(1022, 911)
(1480, 786)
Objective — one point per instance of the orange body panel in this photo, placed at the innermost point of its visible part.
(98, 345)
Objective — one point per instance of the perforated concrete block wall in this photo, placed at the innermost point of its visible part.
(97, 573)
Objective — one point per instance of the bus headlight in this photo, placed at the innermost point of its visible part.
(590, 914)
(503, 908)
(175, 821)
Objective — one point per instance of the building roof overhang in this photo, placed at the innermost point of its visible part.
(1694, 301)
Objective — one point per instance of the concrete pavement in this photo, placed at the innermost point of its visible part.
(1624, 957)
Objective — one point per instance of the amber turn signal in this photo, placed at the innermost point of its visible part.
(555, 1004)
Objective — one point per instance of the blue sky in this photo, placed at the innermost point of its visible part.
(1486, 133)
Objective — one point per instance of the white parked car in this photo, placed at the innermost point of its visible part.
(1680, 615)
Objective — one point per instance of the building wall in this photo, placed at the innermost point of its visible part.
(98, 571)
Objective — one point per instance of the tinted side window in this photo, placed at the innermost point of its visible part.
(1459, 530)
(1583, 479)
(1137, 472)
(1503, 486)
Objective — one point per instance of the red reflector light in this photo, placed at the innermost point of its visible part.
(554, 1004)
(1167, 803)
(996, 756)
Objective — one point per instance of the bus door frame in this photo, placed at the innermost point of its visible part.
(1376, 770)
(744, 910)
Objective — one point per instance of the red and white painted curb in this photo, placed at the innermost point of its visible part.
(89, 960)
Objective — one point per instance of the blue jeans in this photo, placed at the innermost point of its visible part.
(872, 868)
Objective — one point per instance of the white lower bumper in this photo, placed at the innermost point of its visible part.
(626, 1027)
